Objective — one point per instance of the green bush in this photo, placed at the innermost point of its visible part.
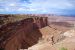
(63, 48)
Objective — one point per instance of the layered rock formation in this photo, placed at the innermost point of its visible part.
(22, 34)
(34, 33)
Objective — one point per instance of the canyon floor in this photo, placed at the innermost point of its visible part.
(37, 32)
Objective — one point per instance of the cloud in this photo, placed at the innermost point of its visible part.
(37, 6)
(22, 9)
(51, 4)
(12, 4)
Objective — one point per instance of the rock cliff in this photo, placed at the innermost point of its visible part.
(32, 32)
(21, 34)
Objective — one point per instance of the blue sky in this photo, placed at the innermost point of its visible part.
(63, 7)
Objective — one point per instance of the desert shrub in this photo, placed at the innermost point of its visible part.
(62, 48)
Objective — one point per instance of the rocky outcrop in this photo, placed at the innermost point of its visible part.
(22, 34)
(70, 33)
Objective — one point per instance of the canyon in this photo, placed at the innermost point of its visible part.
(21, 34)
(33, 32)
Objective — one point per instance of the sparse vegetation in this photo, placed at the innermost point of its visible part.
(63, 48)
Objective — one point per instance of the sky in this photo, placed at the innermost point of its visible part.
(61, 7)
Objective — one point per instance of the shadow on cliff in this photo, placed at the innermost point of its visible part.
(19, 35)
(31, 39)
(32, 34)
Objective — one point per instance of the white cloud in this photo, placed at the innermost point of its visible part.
(12, 4)
(37, 5)
(25, 9)
(32, 9)
(22, 9)
(60, 4)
